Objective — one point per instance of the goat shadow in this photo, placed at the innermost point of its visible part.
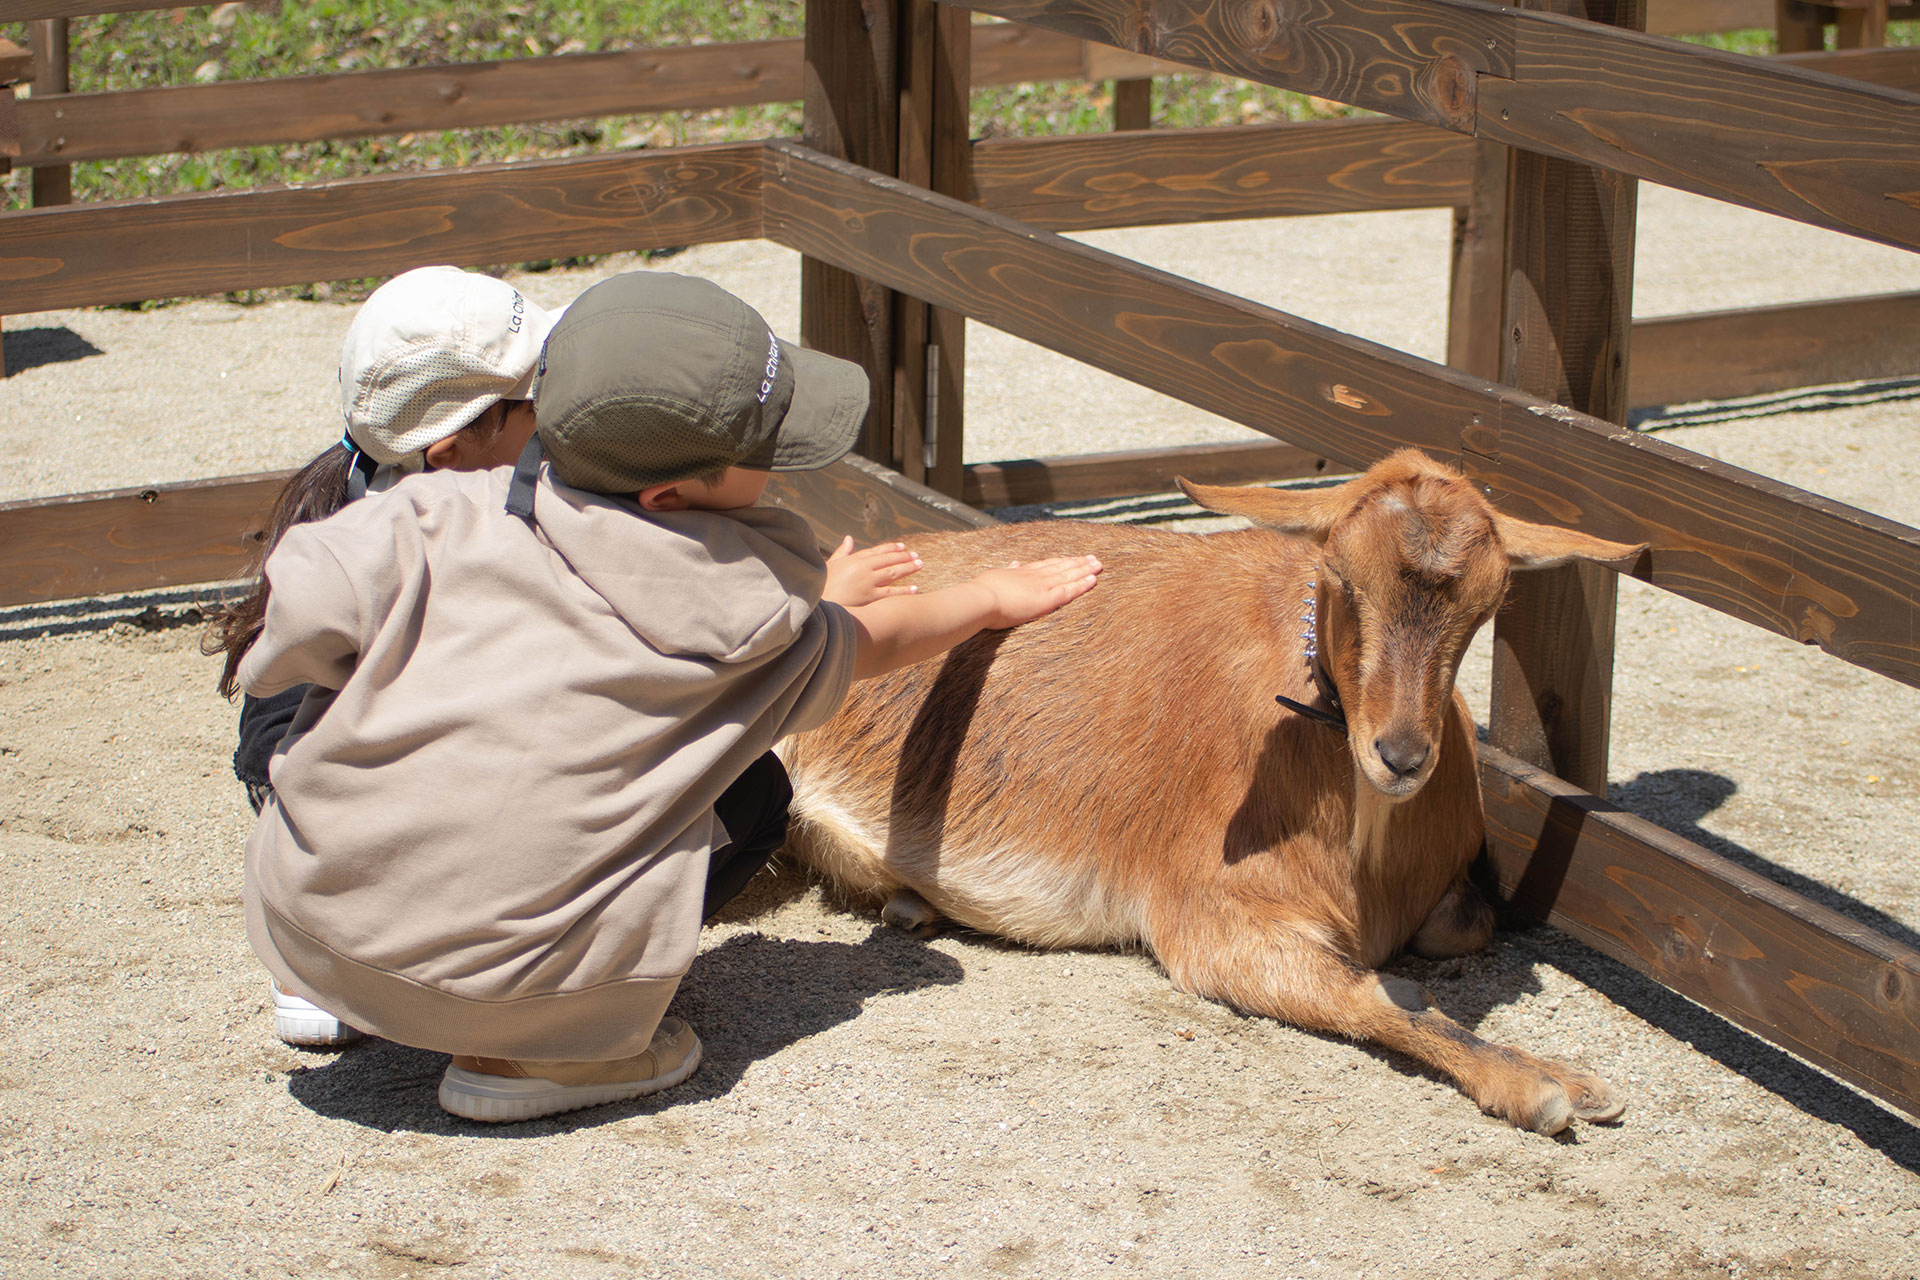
(747, 998)
(1677, 799)
(25, 349)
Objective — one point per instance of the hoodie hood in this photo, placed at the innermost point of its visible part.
(756, 572)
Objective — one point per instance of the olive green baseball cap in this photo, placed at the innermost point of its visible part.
(652, 377)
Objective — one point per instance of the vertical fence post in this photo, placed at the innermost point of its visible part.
(1569, 264)
(1799, 27)
(936, 153)
(1861, 28)
(1133, 104)
(850, 112)
(52, 183)
(1478, 284)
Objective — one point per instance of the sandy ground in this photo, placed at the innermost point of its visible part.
(869, 1104)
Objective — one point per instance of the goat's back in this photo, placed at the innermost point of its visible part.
(1045, 782)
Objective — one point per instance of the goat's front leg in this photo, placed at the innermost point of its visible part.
(1240, 953)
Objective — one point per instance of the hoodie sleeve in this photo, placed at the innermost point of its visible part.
(315, 619)
(832, 629)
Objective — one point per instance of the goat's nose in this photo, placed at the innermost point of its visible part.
(1402, 753)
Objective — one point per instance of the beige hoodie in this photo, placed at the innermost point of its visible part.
(493, 813)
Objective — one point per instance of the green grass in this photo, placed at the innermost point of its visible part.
(257, 41)
(266, 38)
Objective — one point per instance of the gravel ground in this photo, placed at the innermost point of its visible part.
(870, 1104)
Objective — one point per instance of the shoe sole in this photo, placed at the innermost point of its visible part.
(504, 1099)
(309, 1032)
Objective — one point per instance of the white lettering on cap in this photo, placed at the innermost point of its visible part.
(773, 367)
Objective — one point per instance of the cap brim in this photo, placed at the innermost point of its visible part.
(823, 420)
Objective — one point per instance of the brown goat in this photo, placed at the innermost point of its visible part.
(1123, 772)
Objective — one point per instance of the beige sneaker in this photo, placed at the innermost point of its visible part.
(496, 1090)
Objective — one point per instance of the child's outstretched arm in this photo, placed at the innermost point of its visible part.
(861, 577)
(903, 630)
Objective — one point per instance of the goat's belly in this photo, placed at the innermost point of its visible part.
(1029, 895)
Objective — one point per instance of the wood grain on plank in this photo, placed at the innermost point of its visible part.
(175, 246)
(134, 539)
(1077, 183)
(1807, 146)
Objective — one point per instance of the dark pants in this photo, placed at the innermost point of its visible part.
(754, 812)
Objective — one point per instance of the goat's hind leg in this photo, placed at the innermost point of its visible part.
(1289, 969)
(912, 914)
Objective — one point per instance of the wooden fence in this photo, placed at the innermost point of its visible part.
(1532, 125)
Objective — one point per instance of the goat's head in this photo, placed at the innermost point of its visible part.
(1412, 562)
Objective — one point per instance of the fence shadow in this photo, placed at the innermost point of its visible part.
(1678, 799)
(30, 348)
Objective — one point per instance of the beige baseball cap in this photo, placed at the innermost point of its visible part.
(428, 352)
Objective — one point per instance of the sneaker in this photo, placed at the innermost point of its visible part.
(300, 1021)
(501, 1089)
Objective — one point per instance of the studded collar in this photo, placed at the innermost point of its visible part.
(1322, 679)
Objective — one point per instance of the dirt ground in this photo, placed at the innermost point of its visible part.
(873, 1105)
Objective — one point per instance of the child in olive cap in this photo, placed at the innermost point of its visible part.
(493, 825)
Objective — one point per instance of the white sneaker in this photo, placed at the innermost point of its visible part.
(300, 1021)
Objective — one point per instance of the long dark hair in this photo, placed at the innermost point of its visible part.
(314, 492)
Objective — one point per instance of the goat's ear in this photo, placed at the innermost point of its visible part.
(1305, 513)
(1542, 546)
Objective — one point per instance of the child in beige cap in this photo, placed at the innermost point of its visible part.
(437, 372)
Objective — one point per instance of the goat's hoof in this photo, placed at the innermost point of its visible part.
(1551, 1113)
(1537, 1104)
(908, 912)
(1592, 1098)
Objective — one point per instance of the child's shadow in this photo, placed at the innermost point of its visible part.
(746, 999)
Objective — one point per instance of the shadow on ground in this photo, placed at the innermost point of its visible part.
(1678, 799)
(30, 348)
(747, 998)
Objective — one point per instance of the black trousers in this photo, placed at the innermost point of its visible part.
(754, 812)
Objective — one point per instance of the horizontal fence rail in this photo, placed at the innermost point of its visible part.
(207, 531)
(1088, 181)
(1683, 17)
(135, 539)
(357, 104)
(71, 127)
(134, 250)
(1721, 355)
(1769, 136)
(1775, 556)
(195, 531)
(190, 245)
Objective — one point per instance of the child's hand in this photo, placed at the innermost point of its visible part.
(1023, 592)
(860, 577)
